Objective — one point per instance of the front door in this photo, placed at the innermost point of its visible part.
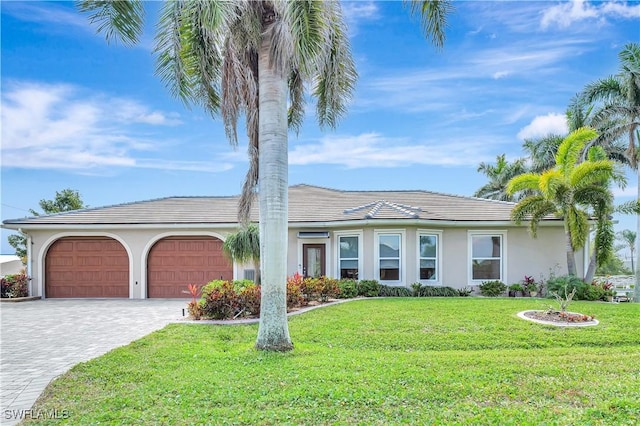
(313, 260)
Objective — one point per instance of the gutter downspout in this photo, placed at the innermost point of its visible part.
(29, 265)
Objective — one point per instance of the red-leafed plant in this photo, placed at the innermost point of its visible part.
(194, 308)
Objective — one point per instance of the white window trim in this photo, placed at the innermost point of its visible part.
(336, 261)
(403, 256)
(438, 235)
(503, 253)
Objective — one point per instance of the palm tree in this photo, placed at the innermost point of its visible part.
(499, 175)
(542, 152)
(628, 237)
(618, 113)
(567, 191)
(253, 57)
(244, 246)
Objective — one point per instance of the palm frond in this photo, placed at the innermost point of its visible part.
(629, 207)
(550, 182)
(578, 223)
(525, 181)
(433, 18)
(533, 208)
(119, 20)
(571, 147)
(591, 172)
(604, 89)
(308, 23)
(295, 113)
(336, 72)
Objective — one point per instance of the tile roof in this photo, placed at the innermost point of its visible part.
(306, 204)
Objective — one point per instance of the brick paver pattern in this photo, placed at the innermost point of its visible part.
(42, 339)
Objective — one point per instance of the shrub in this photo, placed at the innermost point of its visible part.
(368, 288)
(294, 291)
(310, 288)
(465, 292)
(194, 307)
(493, 288)
(250, 299)
(15, 285)
(327, 288)
(570, 282)
(348, 288)
(209, 287)
(420, 290)
(220, 300)
(394, 291)
(240, 285)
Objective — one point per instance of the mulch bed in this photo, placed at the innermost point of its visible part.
(560, 318)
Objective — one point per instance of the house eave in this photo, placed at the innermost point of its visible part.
(297, 224)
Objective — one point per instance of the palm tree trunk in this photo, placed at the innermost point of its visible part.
(636, 290)
(273, 332)
(571, 259)
(591, 270)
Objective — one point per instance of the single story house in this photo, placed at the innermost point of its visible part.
(155, 248)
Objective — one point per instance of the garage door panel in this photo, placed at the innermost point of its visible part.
(87, 267)
(177, 261)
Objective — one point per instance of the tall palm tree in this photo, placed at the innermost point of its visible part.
(628, 237)
(247, 57)
(499, 175)
(617, 113)
(567, 191)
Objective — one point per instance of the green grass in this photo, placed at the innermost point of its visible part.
(382, 361)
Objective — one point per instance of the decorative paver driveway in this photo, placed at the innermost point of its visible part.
(42, 339)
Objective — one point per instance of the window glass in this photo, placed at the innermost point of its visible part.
(389, 257)
(486, 257)
(428, 257)
(348, 257)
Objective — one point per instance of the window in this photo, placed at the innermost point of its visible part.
(428, 253)
(486, 257)
(348, 256)
(389, 256)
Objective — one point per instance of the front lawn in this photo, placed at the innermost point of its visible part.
(375, 361)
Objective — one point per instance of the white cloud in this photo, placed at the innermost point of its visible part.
(360, 10)
(567, 13)
(355, 12)
(620, 9)
(46, 13)
(544, 125)
(60, 126)
(375, 150)
(500, 74)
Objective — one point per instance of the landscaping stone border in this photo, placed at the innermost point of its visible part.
(558, 324)
(19, 299)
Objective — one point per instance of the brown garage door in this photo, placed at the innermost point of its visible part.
(87, 267)
(175, 262)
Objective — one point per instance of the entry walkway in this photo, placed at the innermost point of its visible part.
(42, 339)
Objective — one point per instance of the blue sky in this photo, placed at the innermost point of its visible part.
(79, 113)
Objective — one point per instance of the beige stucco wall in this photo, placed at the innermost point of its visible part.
(524, 255)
